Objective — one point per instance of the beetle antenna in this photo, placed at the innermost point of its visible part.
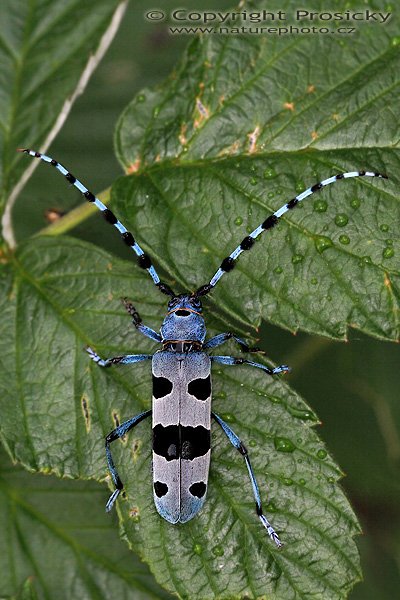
(229, 262)
(143, 259)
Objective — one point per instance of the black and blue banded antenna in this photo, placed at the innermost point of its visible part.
(229, 262)
(143, 260)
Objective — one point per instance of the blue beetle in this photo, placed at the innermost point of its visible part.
(181, 369)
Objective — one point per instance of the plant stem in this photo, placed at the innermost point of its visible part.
(75, 216)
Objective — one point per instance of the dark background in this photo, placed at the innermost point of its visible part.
(352, 386)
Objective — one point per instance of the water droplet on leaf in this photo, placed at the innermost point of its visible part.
(275, 399)
(287, 481)
(388, 253)
(270, 173)
(229, 417)
(284, 444)
(344, 239)
(320, 206)
(365, 260)
(303, 414)
(218, 551)
(297, 258)
(341, 219)
(322, 243)
(197, 548)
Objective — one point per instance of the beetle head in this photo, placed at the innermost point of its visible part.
(184, 321)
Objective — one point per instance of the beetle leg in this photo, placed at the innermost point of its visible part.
(238, 444)
(117, 433)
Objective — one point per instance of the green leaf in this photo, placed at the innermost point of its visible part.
(63, 295)
(56, 537)
(48, 51)
(243, 125)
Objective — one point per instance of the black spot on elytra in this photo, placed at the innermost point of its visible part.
(200, 388)
(161, 387)
(198, 489)
(166, 441)
(177, 441)
(195, 442)
(160, 489)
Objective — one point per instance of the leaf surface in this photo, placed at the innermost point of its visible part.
(64, 295)
(57, 542)
(245, 124)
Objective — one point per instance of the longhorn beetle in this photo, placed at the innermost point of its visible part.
(181, 376)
